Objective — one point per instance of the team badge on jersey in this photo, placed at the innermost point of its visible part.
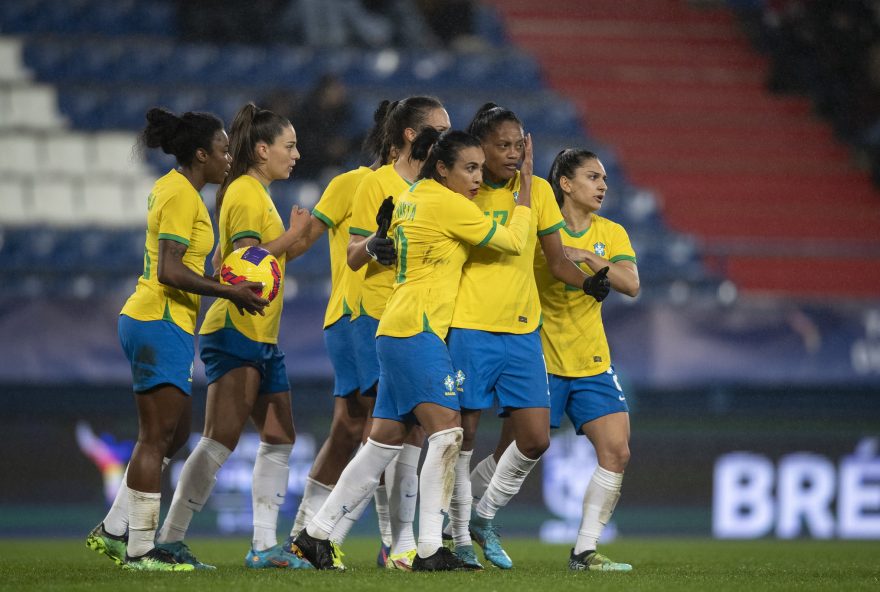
(599, 249)
(459, 381)
(449, 383)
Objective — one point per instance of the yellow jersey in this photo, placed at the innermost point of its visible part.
(247, 212)
(497, 291)
(433, 228)
(378, 278)
(334, 210)
(572, 333)
(175, 211)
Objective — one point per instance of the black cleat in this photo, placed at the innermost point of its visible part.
(316, 551)
(442, 560)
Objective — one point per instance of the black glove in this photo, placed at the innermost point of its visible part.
(382, 250)
(598, 285)
(383, 217)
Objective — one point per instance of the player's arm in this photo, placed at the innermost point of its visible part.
(561, 267)
(510, 239)
(624, 274)
(376, 246)
(172, 272)
(298, 226)
(315, 230)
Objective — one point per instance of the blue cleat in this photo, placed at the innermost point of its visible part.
(180, 551)
(469, 557)
(277, 557)
(485, 533)
(382, 557)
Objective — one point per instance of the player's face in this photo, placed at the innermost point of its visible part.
(219, 160)
(466, 174)
(588, 185)
(282, 155)
(438, 119)
(504, 151)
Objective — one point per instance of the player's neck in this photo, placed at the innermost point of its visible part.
(197, 180)
(259, 176)
(577, 219)
(406, 168)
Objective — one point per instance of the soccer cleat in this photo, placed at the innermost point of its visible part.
(155, 560)
(592, 561)
(111, 545)
(322, 554)
(276, 557)
(485, 533)
(442, 560)
(181, 553)
(402, 561)
(382, 556)
(468, 557)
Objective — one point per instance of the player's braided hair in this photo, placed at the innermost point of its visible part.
(564, 165)
(182, 135)
(250, 126)
(432, 147)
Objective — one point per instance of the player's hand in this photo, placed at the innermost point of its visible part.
(300, 219)
(574, 254)
(246, 298)
(383, 217)
(598, 285)
(528, 163)
(382, 250)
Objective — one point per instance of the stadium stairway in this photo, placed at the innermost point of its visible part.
(679, 93)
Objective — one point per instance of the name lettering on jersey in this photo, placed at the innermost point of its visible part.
(151, 199)
(405, 210)
(599, 249)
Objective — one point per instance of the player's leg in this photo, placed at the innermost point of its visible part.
(357, 482)
(159, 411)
(402, 484)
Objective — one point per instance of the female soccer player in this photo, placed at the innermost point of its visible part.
(351, 409)
(246, 373)
(583, 384)
(434, 224)
(157, 323)
(494, 337)
(403, 123)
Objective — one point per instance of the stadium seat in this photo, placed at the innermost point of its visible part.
(66, 152)
(21, 153)
(34, 106)
(14, 202)
(115, 153)
(104, 202)
(55, 201)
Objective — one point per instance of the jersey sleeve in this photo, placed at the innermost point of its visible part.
(242, 216)
(544, 201)
(367, 200)
(177, 217)
(332, 208)
(621, 248)
(467, 223)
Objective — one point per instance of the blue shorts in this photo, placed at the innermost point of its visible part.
(159, 352)
(585, 399)
(340, 347)
(502, 369)
(227, 349)
(364, 336)
(415, 370)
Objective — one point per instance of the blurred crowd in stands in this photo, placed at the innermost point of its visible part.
(830, 51)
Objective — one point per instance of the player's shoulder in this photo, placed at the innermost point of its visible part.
(173, 186)
(607, 224)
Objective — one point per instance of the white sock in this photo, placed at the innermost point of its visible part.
(344, 526)
(599, 502)
(509, 475)
(402, 481)
(197, 479)
(143, 518)
(269, 486)
(481, 476)
(359, 480)
(313, 498)
(116, 520)
(435, 487)
(383, 514)
(460, 507)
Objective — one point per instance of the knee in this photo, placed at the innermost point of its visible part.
(279, 438)
(535, 447)
(615, 458)
(346, 433)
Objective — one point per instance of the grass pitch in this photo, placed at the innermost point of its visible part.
(659, 564)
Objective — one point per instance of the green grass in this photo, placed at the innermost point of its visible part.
(659, 564)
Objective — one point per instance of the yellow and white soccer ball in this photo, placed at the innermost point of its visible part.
(253, 264)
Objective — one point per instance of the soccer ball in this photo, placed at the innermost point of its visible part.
(253, 264)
